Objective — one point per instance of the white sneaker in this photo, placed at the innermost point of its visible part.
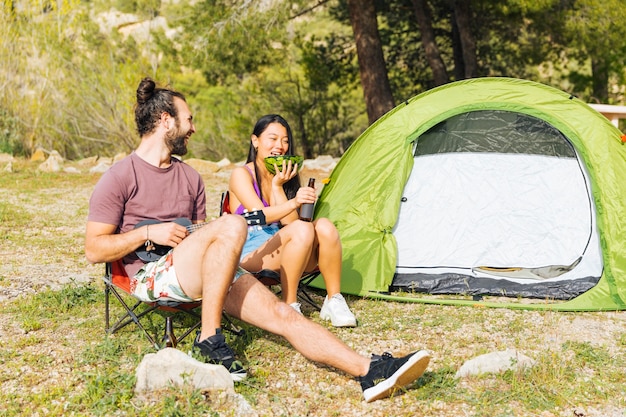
(337, 311)
(296, 306)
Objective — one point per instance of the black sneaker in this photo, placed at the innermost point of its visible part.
(386, 373)
(216, 351)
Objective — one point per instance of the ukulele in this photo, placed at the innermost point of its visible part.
(150, 252)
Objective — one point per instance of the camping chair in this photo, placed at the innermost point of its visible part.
(272, 278)
(117, 283)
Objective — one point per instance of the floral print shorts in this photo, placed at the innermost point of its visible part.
(157, 281)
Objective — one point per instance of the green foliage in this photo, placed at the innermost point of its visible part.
(225, 117)
(574, 45)
(594, 35)
(227, 40)
(335, 116)
(146, 8)
(268, 74)
(10, 134)
(408, 70)
(70, 81)
(68, 77)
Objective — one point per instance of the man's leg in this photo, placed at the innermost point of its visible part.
(380, 376)
(252, 302)
(205, 263)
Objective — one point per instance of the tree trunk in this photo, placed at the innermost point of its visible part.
(372, 69)
(462, 17)
(424, 19)
(600, 79)
(457, 50)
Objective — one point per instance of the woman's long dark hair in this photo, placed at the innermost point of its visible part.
(291, 186)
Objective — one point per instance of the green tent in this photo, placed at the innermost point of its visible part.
(496, 191)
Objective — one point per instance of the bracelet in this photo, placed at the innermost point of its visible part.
(149, 246)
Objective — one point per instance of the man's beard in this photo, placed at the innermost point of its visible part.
(175, 141)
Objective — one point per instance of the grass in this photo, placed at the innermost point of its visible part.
(57, 360)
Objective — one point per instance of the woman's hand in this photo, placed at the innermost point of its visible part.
(288, 172)
(305, 195)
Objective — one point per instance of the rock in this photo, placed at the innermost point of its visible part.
(107, 161)
(202, 166)
(322, 163)
(38, 156)
(495, 362)
(119, 157)
(223, 163)
(88, 162)
(170, 366)
(5, 157)
(100, 168)
(9, 167)
(326, 160)
(71, 170)
(53, 163)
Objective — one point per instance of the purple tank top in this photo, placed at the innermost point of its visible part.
(241, 208)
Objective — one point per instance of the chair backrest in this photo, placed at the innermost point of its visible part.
(225, 203)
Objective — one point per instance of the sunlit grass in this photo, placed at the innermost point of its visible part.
(57, 360)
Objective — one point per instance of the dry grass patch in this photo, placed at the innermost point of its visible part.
(58, 361)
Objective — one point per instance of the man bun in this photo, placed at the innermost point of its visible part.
(146, 90)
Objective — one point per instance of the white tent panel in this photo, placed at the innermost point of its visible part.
(465, 210)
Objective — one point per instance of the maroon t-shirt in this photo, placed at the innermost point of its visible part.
(132, 190)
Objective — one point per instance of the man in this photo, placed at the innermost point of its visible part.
(151, 184)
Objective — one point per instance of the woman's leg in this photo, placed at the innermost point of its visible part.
(288, 251)
(328, 256)
(328, 244)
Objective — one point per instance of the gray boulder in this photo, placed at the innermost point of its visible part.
(54, 163)
(170, 367)
(495, 362)
(100, 168)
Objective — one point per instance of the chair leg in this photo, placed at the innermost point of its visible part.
(237, 331)
(129, 317)
(303, 293)
(107, 313)
(227, 323)
(132, 315)
(189, 330)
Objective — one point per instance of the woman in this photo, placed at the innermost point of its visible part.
(287, 244)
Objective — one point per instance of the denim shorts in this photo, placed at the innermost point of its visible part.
(258, 235)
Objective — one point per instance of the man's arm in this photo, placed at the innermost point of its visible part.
(102, 244)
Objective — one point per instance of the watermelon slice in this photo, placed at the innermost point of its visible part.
(278, 160)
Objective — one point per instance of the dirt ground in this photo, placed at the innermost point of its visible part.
(23, 272)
